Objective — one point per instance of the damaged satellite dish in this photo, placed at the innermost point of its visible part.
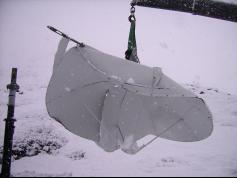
(116, 102)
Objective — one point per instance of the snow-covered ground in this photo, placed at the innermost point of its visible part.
(190, 49)
(215, 156)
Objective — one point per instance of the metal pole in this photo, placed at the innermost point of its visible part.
(82, 45)
(9, 126)
(208, 8)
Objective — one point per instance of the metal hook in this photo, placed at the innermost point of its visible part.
(132, 10)
(132, 18)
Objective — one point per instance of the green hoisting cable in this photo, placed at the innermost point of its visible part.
(131, 53)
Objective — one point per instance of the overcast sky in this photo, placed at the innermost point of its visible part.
(190, 49)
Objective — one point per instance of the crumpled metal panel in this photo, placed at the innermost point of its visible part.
(115, 102)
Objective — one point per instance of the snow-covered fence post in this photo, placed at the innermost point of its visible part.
(9, 127)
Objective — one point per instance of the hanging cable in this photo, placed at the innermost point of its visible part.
(131, 53)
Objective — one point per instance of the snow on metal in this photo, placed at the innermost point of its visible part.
(115, 102)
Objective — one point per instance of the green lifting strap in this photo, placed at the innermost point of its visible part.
(131, 53)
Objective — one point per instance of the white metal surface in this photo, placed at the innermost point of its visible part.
(114, 101)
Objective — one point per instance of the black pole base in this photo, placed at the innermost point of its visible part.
(9, 126)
